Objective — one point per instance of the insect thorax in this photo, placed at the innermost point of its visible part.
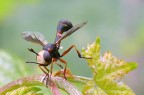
(53, 50)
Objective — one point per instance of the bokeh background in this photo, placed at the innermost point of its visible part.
(119, 24)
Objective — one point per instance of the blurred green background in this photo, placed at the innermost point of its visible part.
(119, 24)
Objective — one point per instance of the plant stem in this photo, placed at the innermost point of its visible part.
(52, 83)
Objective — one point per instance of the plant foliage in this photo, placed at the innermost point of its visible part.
(108, 72)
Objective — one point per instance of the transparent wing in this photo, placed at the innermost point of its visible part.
(72, 30)
(34, 37)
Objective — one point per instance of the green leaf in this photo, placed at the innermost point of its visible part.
(108, 72)
(25, 90)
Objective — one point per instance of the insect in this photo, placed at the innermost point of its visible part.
(50, 51)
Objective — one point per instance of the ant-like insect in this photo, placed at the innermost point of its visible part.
(50, 54)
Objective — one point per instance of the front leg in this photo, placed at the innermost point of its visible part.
(31, 50)
(43, 65)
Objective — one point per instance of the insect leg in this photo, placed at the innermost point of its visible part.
(40, 65)
(31, 50)
(51, 67)
(46, 69)
(43, 69)
(44, 65)
(55, 61)
(47, 74)
(63, 61)
(59, 65)
(33, 62)
(73, 46)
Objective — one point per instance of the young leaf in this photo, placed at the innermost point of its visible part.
(24, 90)
(108, 71)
